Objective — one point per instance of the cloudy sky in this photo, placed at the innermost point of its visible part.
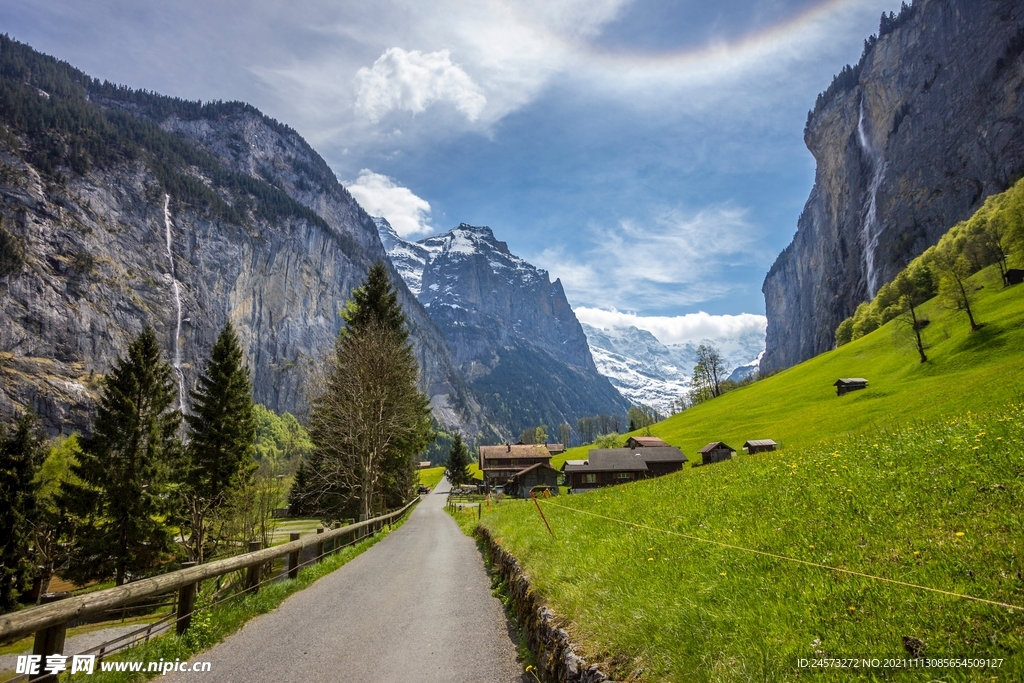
(647, 152)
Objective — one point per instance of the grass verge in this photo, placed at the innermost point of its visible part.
(658, 576)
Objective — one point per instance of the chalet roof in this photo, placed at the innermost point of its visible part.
(532, 450)
(533, 467)
(610, 460)
(850, 380)
(759, 442)
(715, 445)
(659, 454)
(555, 447)
(647, 441)
(573, 463)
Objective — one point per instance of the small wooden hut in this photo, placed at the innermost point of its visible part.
(716, 451)
(845, 385)
(759, 446)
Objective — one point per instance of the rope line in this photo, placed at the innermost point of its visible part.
(785, 558)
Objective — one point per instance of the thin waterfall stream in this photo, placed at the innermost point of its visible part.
(176, 286)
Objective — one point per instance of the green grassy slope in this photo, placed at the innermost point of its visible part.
(799, 407)
(918, 479)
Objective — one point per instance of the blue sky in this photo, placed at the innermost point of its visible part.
(648, 153)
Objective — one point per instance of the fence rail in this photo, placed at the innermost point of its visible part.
(49, 622)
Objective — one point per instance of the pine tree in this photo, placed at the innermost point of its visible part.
(123, 496)
(456, 468)
(375, 302)
(21, 454)
(222, 436)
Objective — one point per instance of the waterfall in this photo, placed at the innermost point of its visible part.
(176, 286)
(869, 228)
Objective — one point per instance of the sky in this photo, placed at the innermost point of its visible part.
(648, 153)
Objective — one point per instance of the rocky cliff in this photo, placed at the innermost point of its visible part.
(908, 142)
(513, 333)
(134, 209)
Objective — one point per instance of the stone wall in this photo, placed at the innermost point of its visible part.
(550, 644)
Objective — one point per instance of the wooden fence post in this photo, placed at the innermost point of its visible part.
(293, 559)
(320, 546)
(252, 577)
(186, 603)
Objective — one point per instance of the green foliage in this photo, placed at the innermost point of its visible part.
(612, 440)
(933, 503)
(12, 253)
(639, 417)
(280, 439)
(77, 123)
(21, 454)
(222, 436)
(994, 235)
(590, 427)
(221, 424)
(123, 494)
(437, 451)
(456, 468)
(375, 302)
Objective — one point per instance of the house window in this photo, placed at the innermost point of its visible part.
(624, 475)
(514, 463)
(589, 478)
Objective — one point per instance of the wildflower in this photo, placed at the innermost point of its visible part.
(959, 533)
(852, 608)
(916, 553)
(650, 559)
(811, 547)
(721, 574)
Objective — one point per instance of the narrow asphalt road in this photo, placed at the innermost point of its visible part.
(416, 607)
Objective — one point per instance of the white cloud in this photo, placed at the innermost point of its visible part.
(412, 81)
(680, 329)
(672, 259)
(380, 196)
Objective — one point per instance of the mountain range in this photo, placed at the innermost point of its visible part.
(514, 336)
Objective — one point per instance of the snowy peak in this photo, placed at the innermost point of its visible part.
(409, 258)
(648, 372)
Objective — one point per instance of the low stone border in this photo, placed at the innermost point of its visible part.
(555, 653)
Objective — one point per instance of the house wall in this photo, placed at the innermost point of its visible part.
(717, 455)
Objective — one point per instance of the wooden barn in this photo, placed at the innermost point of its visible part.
(645, 442)
(541, 474)
(845, 385)
(500, 463)
(716, 451)
(759, 446)
(1014, 276)
(610, 466)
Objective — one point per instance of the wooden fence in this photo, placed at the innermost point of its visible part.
(49, 622)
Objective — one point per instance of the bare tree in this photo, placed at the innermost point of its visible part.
(956, 291)
(367, 421)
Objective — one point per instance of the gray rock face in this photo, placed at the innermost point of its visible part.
(932, 124)
(513, 333)
(104, 258)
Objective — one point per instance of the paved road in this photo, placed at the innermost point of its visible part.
(416, 607)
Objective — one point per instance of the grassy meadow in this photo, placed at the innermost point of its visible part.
(728, 572)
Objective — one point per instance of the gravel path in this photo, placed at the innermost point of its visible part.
(415, 607)
(76, 643)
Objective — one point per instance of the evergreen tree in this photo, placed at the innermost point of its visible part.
(122, 496)
(456, 468)
(375, 302)
(222, 437)
(21, 454)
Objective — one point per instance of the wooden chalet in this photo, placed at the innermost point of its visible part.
(759, 446)
(500, 463)
(716, 451)
(555, 448)
(1014, 276)
(845, 385)
(609, 466)
(645, 442)
(522, 482)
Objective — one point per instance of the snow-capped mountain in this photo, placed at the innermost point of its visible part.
(512, 331)
(648, 372)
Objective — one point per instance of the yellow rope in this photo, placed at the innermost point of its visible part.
(808, 563)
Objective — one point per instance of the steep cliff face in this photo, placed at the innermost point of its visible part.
(182, 217)
(907, 143)
(513, 333)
